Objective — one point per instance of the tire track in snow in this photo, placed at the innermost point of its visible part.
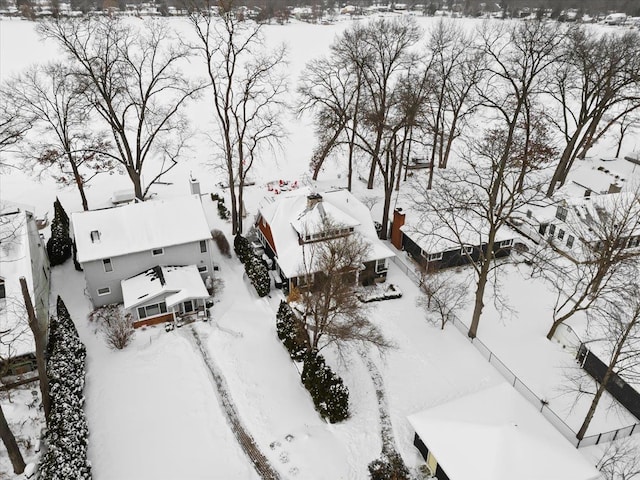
(260, 462)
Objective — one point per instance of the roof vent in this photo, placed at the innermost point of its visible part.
(95, 236)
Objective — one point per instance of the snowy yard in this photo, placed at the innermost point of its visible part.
(153, 410)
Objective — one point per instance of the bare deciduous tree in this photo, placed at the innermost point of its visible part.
(331, 312)
(442, 296)
(616, 325)
(602, 259)
(60, 144)
(13, 126)
(116, 325)
(598, 76)
(620, 461)
(134, 80)
(248, 83)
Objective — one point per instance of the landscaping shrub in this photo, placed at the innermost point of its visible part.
(116, 325)
(223, 211)
(222, 242)
(67, 434)
(243, 249)
(289, 332)
(259, 275)
(389, 467)
(59, 246)
(330, 395)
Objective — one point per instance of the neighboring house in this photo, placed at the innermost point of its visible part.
(434, 247)
(22, 254)
(601, 176)
(116, 244)
(292, 224)
(573, 223)
(495, 434)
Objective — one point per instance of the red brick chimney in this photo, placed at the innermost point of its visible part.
(396, 234)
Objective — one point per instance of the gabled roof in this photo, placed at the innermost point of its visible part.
(495, 434)
(138, 227)
(289, 214)
(177, 284)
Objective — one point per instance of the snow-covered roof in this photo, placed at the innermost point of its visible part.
(599, 174)
(176, 284)
(495, 434)
(289, 213)
(17, 231)
(138, 227)
(433, 233)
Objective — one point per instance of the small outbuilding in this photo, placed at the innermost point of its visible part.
(495, 434)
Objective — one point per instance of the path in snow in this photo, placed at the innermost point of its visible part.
(260, 462)
(386, 428)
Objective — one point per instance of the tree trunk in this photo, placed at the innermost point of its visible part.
(372, 174)
(594, 404)
(137, 183)
(79, 183)
(40, 342)
(563, 164)
(11, 445)
(479, 302)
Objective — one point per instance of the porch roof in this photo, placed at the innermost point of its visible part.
(176, 284)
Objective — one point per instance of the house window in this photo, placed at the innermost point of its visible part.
(529, 213)
(466, 250)
(152, 310)
(203, 269)
(561, 213)
(505, 243)
(157, 251)
(570, 240)
(304, 280)
(381, 265)
(432, 257)
(188, 306)
(543, 228)
(552, 230)
(560, 234)
(95, 236)
(104, 291)
(108, 267)
(203, 246)
(3, 291)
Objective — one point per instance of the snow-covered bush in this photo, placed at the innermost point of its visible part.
(243, 249)
(222, 242)
(60, 245)
(116, 325)
(330, 395)
(67, 434)
(259, 275)
(289, 332)
(389, 467)
(223, 211)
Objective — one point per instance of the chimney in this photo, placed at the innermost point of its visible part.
(194, 186)
(313, 199)
(396, 234)
(614, 188)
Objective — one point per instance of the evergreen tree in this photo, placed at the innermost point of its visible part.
(59, 246)
(330, 395)
(289, 332)
(259, 275)
(66, 438)
(242, 247)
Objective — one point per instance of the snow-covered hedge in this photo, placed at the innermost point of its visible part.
(379, 293)
(289, 332)
(330, 395)
(59, 246)
(242, 247)
(259, 275)
(67, 434)
(389, 467)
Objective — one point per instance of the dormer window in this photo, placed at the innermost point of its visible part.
(95, 236)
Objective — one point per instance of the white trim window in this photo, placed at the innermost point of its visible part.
(570, 240)
(203, 246)
(505, 243)
(156, 252)
(104, 291)
(466, 250)
(432, 257)
(108, 266)
(381, 265)
(203, 269)
(152, 310)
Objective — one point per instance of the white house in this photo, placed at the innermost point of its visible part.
(291, 224)
(22, 254)
(495, 434)
(117, 245)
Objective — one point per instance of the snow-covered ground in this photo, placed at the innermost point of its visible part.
(152, 409)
